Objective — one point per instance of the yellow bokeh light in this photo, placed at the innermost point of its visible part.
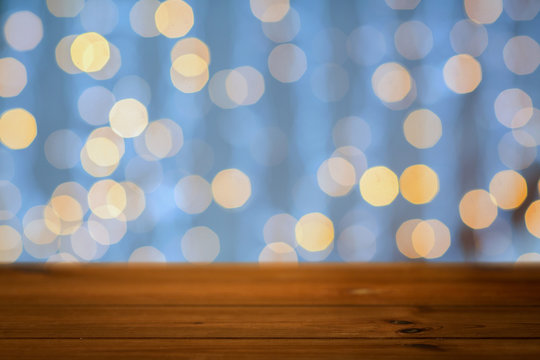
(102, 151)
(532, 218)
(231, 188)
(13, 77)
(90, 52)
(478, 209)
(508, 188)
(419, 184)
(67, 208)
(314, 232)
(128, 118)
(107, 199)
(190, 45)
(483, 11)
(422, 129)
(174, 18)
(269, 10)
(391, 82)
(379, 186)
(190, 65)
(462, 73)
(18, 128)
(423, 238)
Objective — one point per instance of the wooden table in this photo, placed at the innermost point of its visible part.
(387, 311)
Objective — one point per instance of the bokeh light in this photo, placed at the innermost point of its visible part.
(314, 232)
(478, 209)
(174, 18)
(379, 186)
(419, 184)
(18, 128)
(13, 77)
(231, 188)
(462, 73)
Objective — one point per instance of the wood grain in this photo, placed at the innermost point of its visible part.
(340, 311)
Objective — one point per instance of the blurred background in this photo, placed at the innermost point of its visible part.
(269, 130)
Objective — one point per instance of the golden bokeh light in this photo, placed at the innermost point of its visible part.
(111, 67)
(13, 77)
(314, 232)
(18, 128)
(462, 73)
(379, 186)
(67, 208)
(532, 218)
(508, 188)
(107, 199)
(193, 194)
(478, 209)
(190, 65)
(422, 128)
(174, 18)
(191, 45)
(404, 238)
(200, 244)
(128, 118)
(423, 238)
(88, 153)
(336, 176)
(102, 151)
(483, 11)
(391, 82)
(90, 52)
(269, 10)
(419, 184)
(231, 188)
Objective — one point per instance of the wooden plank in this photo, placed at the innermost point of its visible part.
(50, 322)
(269, 349)
(395, 284)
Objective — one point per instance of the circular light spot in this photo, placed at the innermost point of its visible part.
(379, 186)
(200, 244)
(522, 10)
(391, 82)
(12, 77)
(141, 18)
(67, 208)
(517, 155)
(330, 82)
(422, 129)
(83, 245)
(314, 232)
(483, 11)
(23, 30)
(356, 243)
(86, 160)
(102, 151)
(90, 52)
(529, 257)
(107, 231)
(18, 128)
(193, 194)
(62, 149)
(532, 218)
(467, 37)
(190, 65)
(63, 55)
(65, 8)
(231, 188)
(508, 188)
(174, 18)
(462, 73)
(336, 176)
(163, 138)
(100, 16)
(135, 201)
(111, 67)
(10, 200)
(355, 157)
(413, 40)
(278, 252)
(478, 209)
(287, 63)
(280, 228)
(10, 244)
(36, 230)
(269, 10)
(244, 85)
(128, 118)
(521, 55)
(402, 4)
(283, 30)
(513, 108)
(107, 199)
(404, 238)
(430, 239)
(189, 84)
(94, 105)
(366, 45)
(419, 184)
(147, 254)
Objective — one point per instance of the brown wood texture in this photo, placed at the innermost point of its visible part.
(340, 311)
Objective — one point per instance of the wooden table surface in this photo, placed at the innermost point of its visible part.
(337, 311)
